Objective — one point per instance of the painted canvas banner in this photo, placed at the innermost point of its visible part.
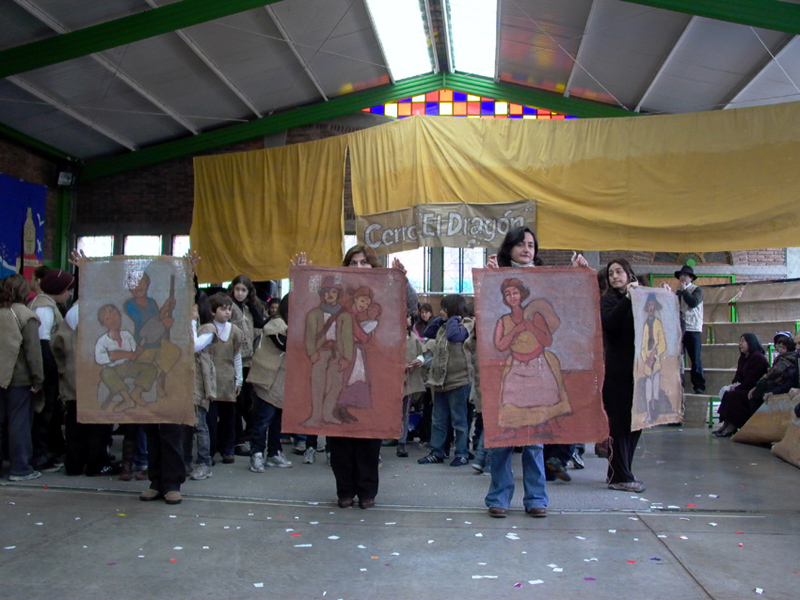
(345, 352)
(135, 345)
(22, 226)
(657, 392)
(456, 225)
(540, 355)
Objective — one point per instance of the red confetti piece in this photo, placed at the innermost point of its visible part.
(173, 560)
(691, 506)
(631, 562)
(741, 545)
(295, 534)
(47, 487)
(740, 532)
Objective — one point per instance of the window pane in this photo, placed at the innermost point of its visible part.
(96, 246)
(180, 245)
(416, 264)
(458, 265)
(349, 242)
(142, 245)
(452, 271)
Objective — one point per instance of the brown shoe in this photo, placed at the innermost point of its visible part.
(173, 497)
(537, 513)
(345, 502)
(149, 495)
(366, 503)
(497, 512)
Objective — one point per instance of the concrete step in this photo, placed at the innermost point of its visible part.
(696, 411)
(719, 356)
(729, 333)
(715, 379)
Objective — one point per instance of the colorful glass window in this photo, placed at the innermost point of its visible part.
(450, 103)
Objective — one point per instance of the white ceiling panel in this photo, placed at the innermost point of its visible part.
(19, 26)
(539, 39)
(622, 50)
(779, 81)
(714, 60)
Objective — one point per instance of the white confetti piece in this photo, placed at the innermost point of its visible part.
(333, 537)
(313, 523)
(683, 537)
(685, 519)
(85, 546)
(77, 518)
(38, 523)
(173, 516)
(12, 547)
(713, 524)
(259, 585)
(482, 564)
(552, 566)
(579, 537)
(662, 536)
(612, 531)
(759, 590)
(634, 518)
(302, 545)
(289, 529)
(673, 506)
(467, 522)
(591, 559)
(430, 541)
(227, 527)
(635, 539)
(698, 495)
(362, 570)
(713, 496)
(484, 576)
(395, 554)
(512, 536)
(178, 548)
(141, 556)
(535, 581)
(202, 524)
(250, 514)
(448, 519)
(391, 523)
(478, 535)
(238, 528)
(314, 503)
(558, 570)
(205, 547)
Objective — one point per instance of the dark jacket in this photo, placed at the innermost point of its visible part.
(750, 368)
(616, 315)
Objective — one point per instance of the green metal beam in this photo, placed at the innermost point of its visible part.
(339, 107)
(767, 14)
(34, 144)
(119, 32)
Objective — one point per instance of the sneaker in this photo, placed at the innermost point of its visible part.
(49, 466)
(309, 456)
(627, 486)
(425, 445)
(401, 451)
(173, 497)
(242, 449)
(299, 447)
(200, 472)
(149, 495)
(228, 459)
(459, 461)
(479, 468)
(279, 460)
(430, 459)
(556, 467)
(28, 477)
(577, 460)
(257, 463)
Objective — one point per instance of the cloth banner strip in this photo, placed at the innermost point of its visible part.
(540, 356)
(135, 349)
(346, 352)
(688, 182)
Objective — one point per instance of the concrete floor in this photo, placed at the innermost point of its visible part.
(718, 520)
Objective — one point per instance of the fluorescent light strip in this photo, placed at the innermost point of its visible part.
(400, 28)
(473, 31)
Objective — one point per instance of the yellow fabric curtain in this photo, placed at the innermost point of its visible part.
(706, 182)
(254, 210)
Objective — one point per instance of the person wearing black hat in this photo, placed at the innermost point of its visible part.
(690, 297)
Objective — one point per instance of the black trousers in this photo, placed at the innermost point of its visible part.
(165, 467)
(623, 447)
(86, 444)
(355, 465)
(692, 344)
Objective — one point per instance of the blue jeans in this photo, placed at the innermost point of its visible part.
(16, 411)
(501, 489)
(450, 412)
(263, 416)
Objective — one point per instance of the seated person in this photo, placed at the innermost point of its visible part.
(778, 380)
